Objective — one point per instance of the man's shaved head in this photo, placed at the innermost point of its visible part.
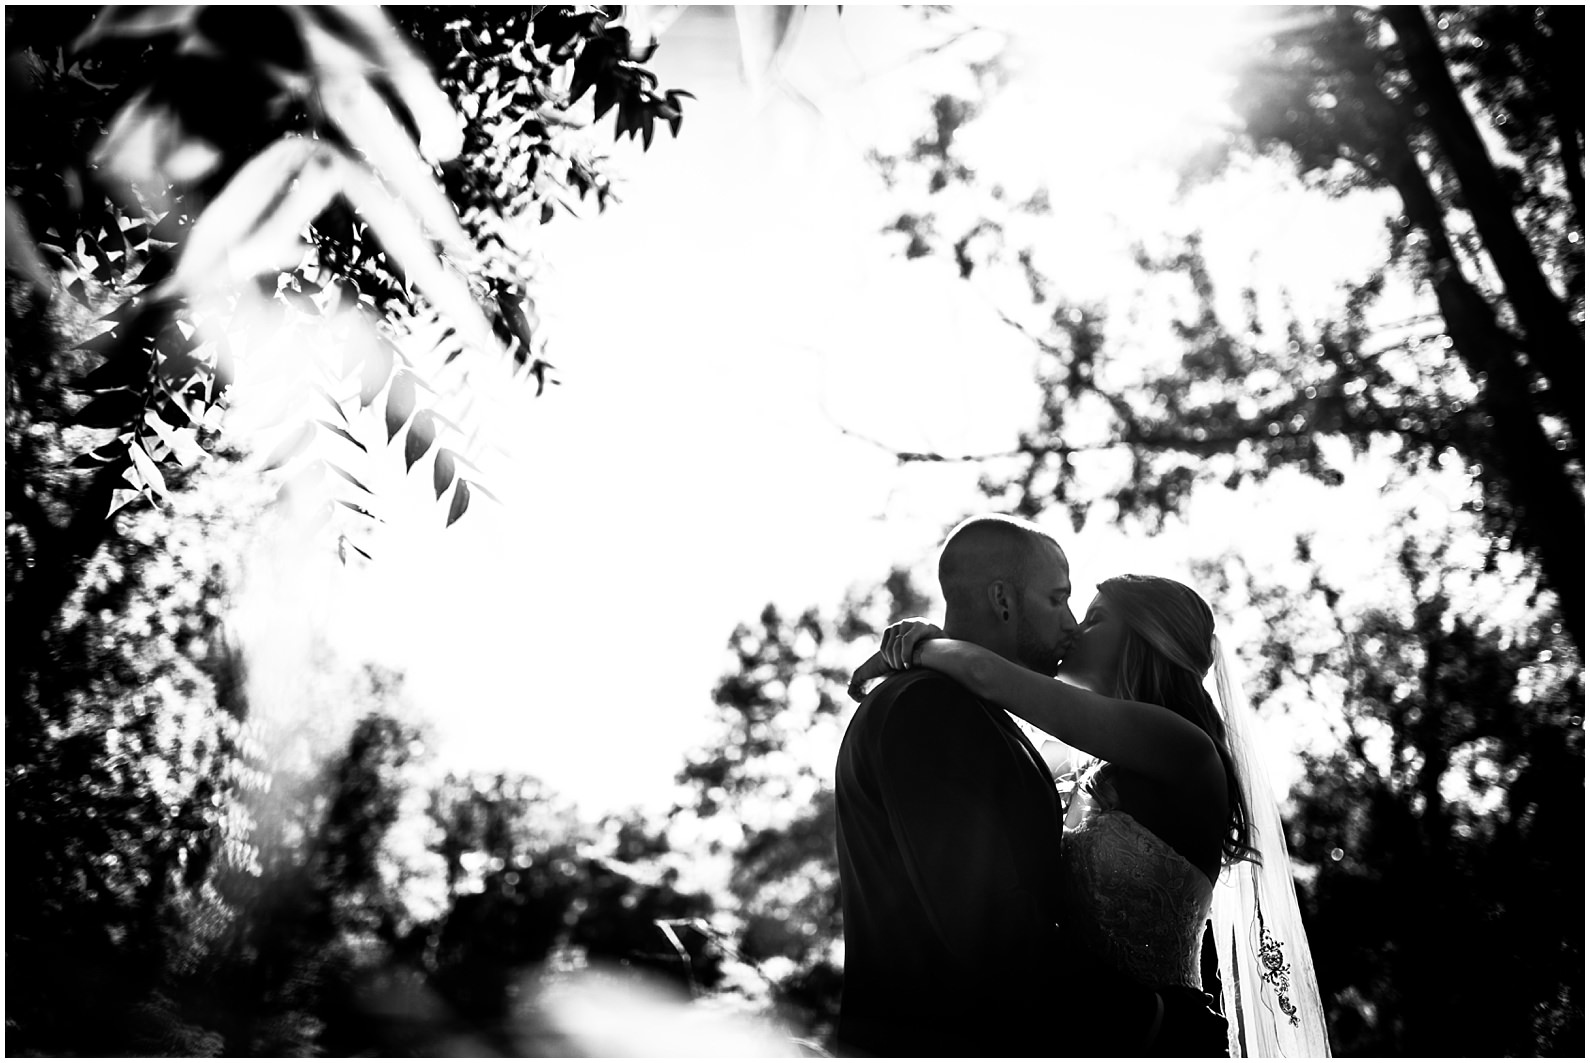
(987, 548)
(1007, 586)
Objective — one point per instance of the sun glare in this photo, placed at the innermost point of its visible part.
(1132, 83)
(1102, 111)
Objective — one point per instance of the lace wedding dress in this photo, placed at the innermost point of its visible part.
(1141, 907)
(1138, 904)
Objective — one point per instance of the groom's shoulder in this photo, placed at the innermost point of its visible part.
(915, 691)
(915, 710)
(921, 683)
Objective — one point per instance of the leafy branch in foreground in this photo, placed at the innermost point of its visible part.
(231, 192)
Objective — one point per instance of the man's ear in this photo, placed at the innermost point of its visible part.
(999, 598)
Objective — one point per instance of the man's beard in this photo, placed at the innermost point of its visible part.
(1034, 653)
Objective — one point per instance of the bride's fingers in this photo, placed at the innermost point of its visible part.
(905, 646)
(893, 654)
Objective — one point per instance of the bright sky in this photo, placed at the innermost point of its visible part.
(716, 329)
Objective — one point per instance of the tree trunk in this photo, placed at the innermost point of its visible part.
(1556, 348)
(1550, 508)
(1562, 73)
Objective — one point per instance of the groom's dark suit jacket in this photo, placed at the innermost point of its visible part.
(949, 866)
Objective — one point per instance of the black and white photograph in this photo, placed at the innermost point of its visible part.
(795, 531)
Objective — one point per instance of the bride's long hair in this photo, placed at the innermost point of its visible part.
(1169, 648)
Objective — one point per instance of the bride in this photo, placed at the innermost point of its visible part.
(1171, 825)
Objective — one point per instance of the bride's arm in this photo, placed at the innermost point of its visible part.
(1144, 738)
(875, 667)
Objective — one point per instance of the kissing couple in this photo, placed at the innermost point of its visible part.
(985, 914)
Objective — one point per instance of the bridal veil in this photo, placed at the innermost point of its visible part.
(1272, 1002)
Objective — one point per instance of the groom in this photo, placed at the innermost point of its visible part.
(949, 843)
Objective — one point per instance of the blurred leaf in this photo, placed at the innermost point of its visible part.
(256, 224)
(539, 370)
(588, 68)
(377, 368)
(411, 252)
(179, 370)
(115, 450)
(519, 325)
(121, 497)
(290, 447)
(126, 369)
(305, 483)
(134, 21)
(559, 28)
(146, 147)
(332, 32)
(443, 472)
(460, 502)
(399, 403)
(343, 543)
(183, 442)
(111, 409)
(422, 433)
(147, 468)
(106, 271)
(104, 343)
(364, 118)
(346, 475)
(343, 432)
(334, 404)
(606, 97)
(765, 33)
(158, 268)
(22, 257)
(674, 96)
(173, 228)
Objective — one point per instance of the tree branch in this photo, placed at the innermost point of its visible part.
(908, 456)
(1556, 347)
(1551, 510)
(1564, 72)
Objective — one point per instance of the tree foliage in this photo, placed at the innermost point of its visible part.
(1442, 823)
(195, 190)
(1476, 124)
(766, 780)
(1450, 785)
(127, 756)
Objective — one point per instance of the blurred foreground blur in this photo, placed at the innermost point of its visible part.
(599, 1011)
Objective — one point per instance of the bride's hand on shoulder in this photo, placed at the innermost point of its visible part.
(900, 641)
(901, 638)
(875, 667)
